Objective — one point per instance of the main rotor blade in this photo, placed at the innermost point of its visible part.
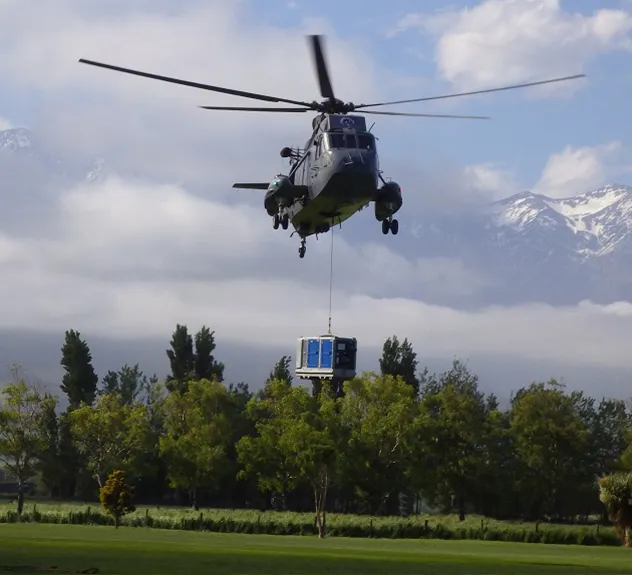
(241, 93)
(248, 109)
(321, 67)
(473, 93)
(425, 115)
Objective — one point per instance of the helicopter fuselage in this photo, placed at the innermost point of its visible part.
(336, 176)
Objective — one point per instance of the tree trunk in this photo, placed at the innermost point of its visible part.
(117, 521)
(20, 496)
(194, 499)
(320, 524)
(627, 536)
(320, 497)
(461, 508)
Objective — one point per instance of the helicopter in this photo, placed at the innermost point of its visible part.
(336, 174)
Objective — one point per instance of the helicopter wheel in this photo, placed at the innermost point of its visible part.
(301, 252)
(285, 221)
(275, 221)
(385, 226)
(394, 227)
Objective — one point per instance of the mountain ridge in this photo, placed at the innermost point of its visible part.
(596, 221)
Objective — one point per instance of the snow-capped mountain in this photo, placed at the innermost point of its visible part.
(591, 225)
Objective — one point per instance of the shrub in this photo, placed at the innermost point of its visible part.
(116, 497)
(338, 525)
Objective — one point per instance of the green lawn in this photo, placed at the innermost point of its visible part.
(72, 548)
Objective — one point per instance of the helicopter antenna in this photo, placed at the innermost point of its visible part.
(373, 124)
(331, 276)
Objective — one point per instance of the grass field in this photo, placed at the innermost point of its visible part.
(72, 548)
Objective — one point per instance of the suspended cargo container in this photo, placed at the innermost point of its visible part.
(326, 357)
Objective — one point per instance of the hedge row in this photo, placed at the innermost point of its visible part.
(400, 529)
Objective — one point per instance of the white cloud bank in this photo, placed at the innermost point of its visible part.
(574, 170)
(569, 172)
(500, 42)
(111, 269)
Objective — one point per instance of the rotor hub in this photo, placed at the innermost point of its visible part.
(334, 106)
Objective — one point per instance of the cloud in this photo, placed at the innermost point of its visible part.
(131, 231)
(116, 265)
(575, 170)
(494, 182)
(466, 189)
(499, 42)
(5, 124)
(569, 172)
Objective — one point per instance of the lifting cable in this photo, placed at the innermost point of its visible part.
(331, 275)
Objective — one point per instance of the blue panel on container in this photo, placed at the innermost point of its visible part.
(313, 348)
(326, 351)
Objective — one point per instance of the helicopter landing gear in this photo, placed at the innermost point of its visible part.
(283, 220)
(302, 249)
(390, 224)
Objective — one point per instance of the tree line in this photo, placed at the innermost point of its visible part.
(393, 443)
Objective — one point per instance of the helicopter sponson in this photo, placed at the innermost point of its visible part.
(281, 193)
(388, 200)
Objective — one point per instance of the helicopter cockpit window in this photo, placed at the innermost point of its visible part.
(353, 141)
(366, 142)
(339, 141)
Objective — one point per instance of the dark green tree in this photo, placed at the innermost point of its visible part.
(399, 359)
(206, 367)
(110, 383)
(129, 382)
(610, 434)
(49, 459)
(550, 439)
(379, 413)
(181, 358)
(281, 371)
(234, 487)
(79, 382)
(456, 439)
(69, 458)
